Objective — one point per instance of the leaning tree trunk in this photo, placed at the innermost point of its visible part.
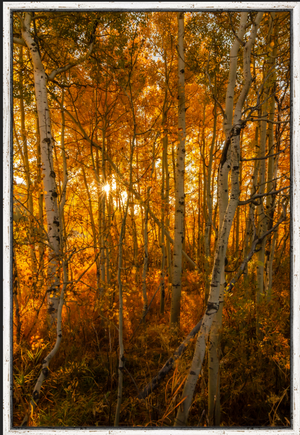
(213, 305)
(214, 340)
(179, 205)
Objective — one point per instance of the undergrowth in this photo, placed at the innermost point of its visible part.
(81, 390)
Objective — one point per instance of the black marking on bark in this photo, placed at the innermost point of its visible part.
(192, 373)
(59, 335)
(45, 371)
(212, 308)
(46, 140)
(52, 174)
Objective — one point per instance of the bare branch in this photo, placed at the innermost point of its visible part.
(19, 41)
(266, 157)
(254, 118)
(253, 250)
(274, 192)
(70, 65)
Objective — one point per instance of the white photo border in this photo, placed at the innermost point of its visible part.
(294, 8)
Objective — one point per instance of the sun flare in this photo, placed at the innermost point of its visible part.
(106, 188)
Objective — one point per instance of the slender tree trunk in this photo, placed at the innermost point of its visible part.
(145, 269)
(16, 295)
(198, 256)
(250, 226)
(214, 339)
(41, 234)
(167, 208)
(262, 214)
(180, 168)
(27, 173)
(272, 166)
(164, 203)
(162, 242)
(208, 208)
(63, 196)
(121, 342)
(103, 209)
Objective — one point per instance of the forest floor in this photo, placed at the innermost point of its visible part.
(81, 390)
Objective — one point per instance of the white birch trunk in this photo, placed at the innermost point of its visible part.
(179, 206)
(225, 227)
(145, 268)
(27, 171)
(121, 342)
(214, 340)
(262, 214)
(50, 189)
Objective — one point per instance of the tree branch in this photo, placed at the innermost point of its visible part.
(154, 383)
(274, 192)
(266, 157)
(253, 249)
(77, 62)
(19, 41)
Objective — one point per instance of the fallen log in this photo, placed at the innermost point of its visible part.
(153, 384)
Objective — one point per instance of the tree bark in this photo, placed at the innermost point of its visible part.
(50, 188)
(179, 199)
(214, 339)
(214, 301)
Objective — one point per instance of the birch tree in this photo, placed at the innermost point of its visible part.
(179, 207)
(233, 158)
(46, 145)
(223, 192)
